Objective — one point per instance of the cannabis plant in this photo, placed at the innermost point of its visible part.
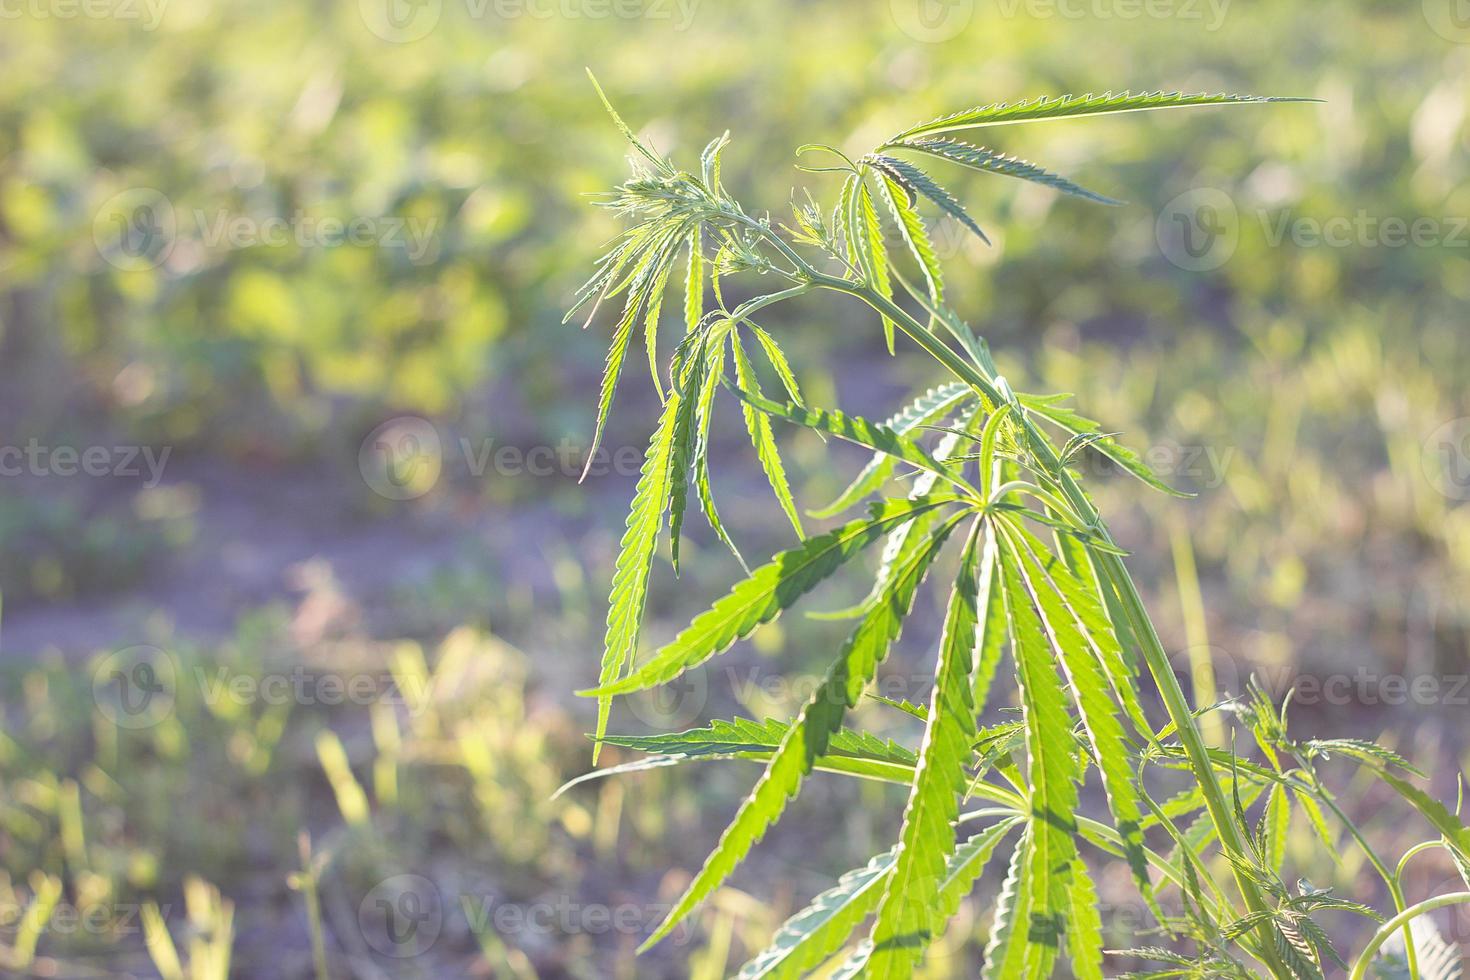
(1042, 590)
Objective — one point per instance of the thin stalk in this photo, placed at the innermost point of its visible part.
(1365, 959)
(1111, 566)
(1391, 880)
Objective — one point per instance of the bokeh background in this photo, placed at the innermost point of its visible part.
(249, 251)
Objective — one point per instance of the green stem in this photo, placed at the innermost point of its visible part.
(1112, 568)
(1400, 921)
(1391, 880)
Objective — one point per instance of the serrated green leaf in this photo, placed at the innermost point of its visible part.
(694, 284)
(714, 375)
(876, 256)
(776, 357)
(1078, 659)
(1105, 444)
(761, 437)
(807, 740)
(933, 404)
(903, 538)
(915, 235)
(635, 558)
(907, 921)
(855, 428)
(690, 378)
(920, 182)
(1084, 926)
(768, 590)
(963, 868)
(818, 931)
(1001, 113)
(1052, 772)
(989, 161)
(1005, 951)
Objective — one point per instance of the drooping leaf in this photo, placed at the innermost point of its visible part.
(714, 375)
(776, 357)
(876, 262)
(915, 235)
(907, 921)
(920, 182)
(992, 628)
(635, 558)
(1107, 445)
(690, 379)
(768, 590)
(761, 437)
(905, 537)
(854, 428)
(933, 404)
(809, 735)
(851, 753)
(989, 161)
(641, 279)
(694, 284)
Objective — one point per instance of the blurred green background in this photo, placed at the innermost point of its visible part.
(245, 247)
